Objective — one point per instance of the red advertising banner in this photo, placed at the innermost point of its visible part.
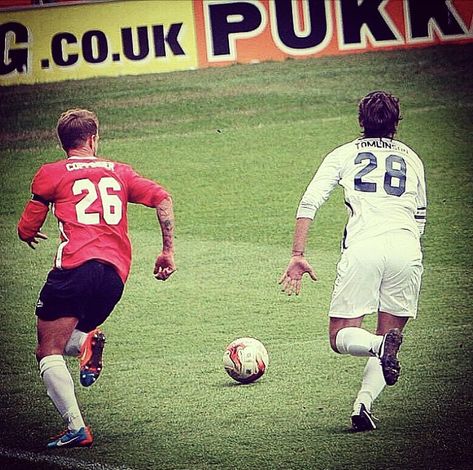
(248, 31)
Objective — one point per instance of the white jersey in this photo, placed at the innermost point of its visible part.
(384, 186)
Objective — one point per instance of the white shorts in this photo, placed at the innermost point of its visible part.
(379, 274)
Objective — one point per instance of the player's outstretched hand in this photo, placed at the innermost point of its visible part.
(164, 266)
(31, 242)
(291, 280)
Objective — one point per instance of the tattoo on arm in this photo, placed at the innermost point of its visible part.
(165, 216)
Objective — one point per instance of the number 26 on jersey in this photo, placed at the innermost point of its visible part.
(111, 203)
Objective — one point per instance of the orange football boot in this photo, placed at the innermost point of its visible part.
(91, 357)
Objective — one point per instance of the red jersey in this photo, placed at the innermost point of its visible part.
(89, 198)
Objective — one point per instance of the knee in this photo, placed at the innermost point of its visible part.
(40, 353)
(44, 350)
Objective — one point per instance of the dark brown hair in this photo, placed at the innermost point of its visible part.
(379, 114)
(75, 126)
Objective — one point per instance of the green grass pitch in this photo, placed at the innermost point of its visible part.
(236, 147)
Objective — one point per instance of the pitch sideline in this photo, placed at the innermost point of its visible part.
(65, 462)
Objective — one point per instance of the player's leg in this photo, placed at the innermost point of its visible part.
(399, 292)
(89, 278)
(373, 381)
(52, 338)
(90, 357)
(390, 326)
(387, 321)
(347, 337)
(75, 343)
(88, 348)
(59, 309)
(88, 339)
(356, 293)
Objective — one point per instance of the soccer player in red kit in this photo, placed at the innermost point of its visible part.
(88, 195)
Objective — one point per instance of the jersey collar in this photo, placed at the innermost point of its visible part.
(75, 157)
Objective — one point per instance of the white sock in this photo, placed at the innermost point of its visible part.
(60, 388)
(75, 343)
(372, 385)
(357, 342)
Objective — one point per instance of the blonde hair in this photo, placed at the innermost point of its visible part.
(75, 126)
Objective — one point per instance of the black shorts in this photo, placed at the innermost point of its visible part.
(88, 292)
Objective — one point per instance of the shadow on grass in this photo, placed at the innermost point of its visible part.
(236, 384)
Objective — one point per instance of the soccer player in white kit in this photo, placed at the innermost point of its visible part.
(380, 267)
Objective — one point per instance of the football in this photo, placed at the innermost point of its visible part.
(245, 360)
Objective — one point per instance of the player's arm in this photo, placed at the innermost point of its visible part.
(319, 189)
(36, 210)
(31, 221)
(165, 265)
(421, 201)
(291, 280)
(151, 194)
